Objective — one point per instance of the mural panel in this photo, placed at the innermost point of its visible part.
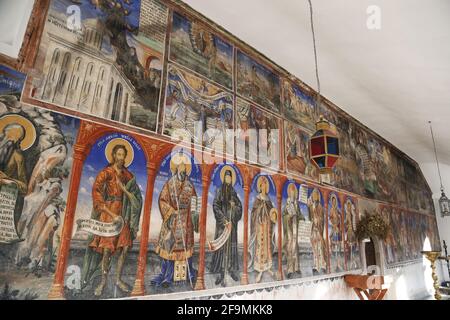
(11, 82)
(319, 241)
(390, 244)
(351, 245)
(299, 107)
(194, 46)
(111, 65)
(418, 233)
(258, 135)
(335, 233)
(433, 233)
(105, 241)
(107, 66)
(297, 249)
(225, 227)
(257, 83)
(297, 151)
(263, 240)
(172, 260)
(35, 163)
(197, 111)
(353, 165)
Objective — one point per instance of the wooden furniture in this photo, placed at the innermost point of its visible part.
(367, 287)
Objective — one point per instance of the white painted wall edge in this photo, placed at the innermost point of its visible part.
(16, 24)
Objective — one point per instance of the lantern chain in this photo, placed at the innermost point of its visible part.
(315, 53)
(435, 154)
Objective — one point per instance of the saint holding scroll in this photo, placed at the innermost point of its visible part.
(17, 135)
(115, 196)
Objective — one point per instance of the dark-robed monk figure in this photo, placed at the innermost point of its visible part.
(227, 209)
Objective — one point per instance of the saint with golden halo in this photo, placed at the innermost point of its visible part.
(227, 208)
(116, 197)
(178, 207)
(262, 232)
(291, 218)
(129, 154)
(317, 217)
(17, 135)
(229, 170)
(178, 160)
(335, 234)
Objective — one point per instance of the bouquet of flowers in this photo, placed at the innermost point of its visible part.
(372, 225)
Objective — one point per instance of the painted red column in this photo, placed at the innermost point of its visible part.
(206, 180)
(139, 284)
(280, 182)
(325, 194)
(57, 289)
(244, 277)
(344, 245)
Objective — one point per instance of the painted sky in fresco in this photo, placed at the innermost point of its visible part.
(88, 10)
(95, 162)
(182, 24)
(11, 81)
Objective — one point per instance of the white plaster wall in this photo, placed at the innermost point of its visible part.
(408, 282)
(431, 174)
(412, 281)
(334, 289)
(14, 17)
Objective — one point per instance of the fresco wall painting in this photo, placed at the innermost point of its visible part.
(225, 226)
(257, 83)
(299, 107)
(194, 46)
(258, 135)
(108, 215)
(94, 209)
(36, 162)
(335, 233)
(263, 236)
(307, 213)
(199, 112)
(411, 233)
(297, 152)
(107, 67)
(351, 246)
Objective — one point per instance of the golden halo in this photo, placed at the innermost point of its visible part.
(233, 173)
(333, 196)
(315, 195)
(30, 130)
(178, 159)
(130, 152)
(292, 186)
(349, 202)
(260, 181)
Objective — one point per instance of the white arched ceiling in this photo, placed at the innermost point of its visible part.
(393, 80)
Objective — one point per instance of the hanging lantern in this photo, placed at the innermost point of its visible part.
(324, 147)
(444, 204)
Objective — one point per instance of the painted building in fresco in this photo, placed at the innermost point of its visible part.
(217, 192)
